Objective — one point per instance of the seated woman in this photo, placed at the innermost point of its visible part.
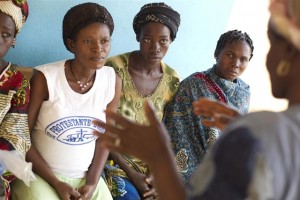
(66, 96)
(144, 77)
(190, 138)
(14, 89)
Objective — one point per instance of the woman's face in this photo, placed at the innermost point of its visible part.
(277, 52)
(233, 59)
(7, 31)
(92, 45)
(154, 42)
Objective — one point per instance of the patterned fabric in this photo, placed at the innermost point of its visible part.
(17, 9)
(190, 139)
(14, 131)
(131, 106)
(157, 12)
(256, 158)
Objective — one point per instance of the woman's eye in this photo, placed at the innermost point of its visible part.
(105, 41)
(164, 41)
(87, 41)
(6, 35)
(146, 40)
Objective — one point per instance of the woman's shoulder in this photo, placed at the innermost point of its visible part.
(192, 78)
(118, 61)
(169, 70)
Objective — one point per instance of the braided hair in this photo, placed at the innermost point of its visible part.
(233, 36)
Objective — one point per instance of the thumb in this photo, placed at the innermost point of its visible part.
(150, 113)
(75, 193)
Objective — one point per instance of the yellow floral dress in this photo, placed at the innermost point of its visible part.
(132, 106)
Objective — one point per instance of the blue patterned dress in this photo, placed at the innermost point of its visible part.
(190, 139)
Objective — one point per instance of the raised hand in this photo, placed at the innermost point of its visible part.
(216, 114)
(142, 141)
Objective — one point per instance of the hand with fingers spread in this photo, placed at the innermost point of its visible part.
(149, 143)
(123, 138)
(216, 114)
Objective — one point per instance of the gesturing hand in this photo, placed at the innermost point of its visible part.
(126, 137)
(219, 114)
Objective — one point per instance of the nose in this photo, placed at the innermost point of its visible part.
(236, 63)
(155, 47)
(97, 47)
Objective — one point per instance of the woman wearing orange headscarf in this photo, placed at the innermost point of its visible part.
(14, 88)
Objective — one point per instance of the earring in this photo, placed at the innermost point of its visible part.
(283, 68)
(13, 43)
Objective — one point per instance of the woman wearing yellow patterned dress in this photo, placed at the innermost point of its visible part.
(144, 77)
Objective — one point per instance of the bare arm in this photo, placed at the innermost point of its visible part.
(101, 153)
(39, 93)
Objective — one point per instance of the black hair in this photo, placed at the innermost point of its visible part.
(233, 36)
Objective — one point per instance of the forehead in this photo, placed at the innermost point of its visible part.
(94, 28)
(155, 27)
(238, 45)
(6, 20)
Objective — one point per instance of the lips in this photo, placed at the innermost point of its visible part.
(233, 73)
(98, 59)
(155, 58)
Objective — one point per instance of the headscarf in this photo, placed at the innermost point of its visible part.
(83, 15)
(17, 9)
(285, 18)
(157, 12)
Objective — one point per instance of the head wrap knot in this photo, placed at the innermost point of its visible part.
(285, 19)
(83, 15)
(17, 9)
(157, 12)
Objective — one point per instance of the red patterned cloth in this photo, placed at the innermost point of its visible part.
(14, 131)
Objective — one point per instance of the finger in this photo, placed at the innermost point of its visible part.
(204, 106)
(75, 194)
(119, 119)
(149, 180)
(209, 123)
(108, 137)
(150, 113)
(108, 128)
(149, 193)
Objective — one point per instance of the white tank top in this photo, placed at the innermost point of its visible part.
(63, 131)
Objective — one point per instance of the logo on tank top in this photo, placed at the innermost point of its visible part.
(75, 130)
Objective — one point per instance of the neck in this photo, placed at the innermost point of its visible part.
(137, 63)
(83, 84)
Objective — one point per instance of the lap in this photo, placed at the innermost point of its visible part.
(40, 189)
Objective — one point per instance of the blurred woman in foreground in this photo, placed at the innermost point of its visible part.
(257, 156)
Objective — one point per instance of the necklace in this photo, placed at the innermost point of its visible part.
(81, 85)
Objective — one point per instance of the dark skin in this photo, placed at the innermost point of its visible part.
(283, 86)
(144, 65)
(153, 139)
(146, 72)
(90, 47)
(233, 60)
(7, 37)
(231, 63)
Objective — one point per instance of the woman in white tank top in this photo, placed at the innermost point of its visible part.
(65, 97)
